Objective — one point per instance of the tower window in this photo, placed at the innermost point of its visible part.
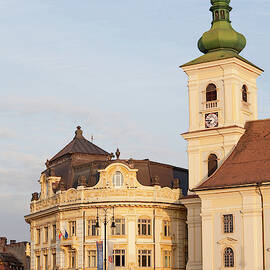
(222, 14)
(118, 179)
(216, 15)
(228, 257)
(212, 164)
(228, 223)
(244, 93)
(211, 92)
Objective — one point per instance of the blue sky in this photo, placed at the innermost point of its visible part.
(110, 66)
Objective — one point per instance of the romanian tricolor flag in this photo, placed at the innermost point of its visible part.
(60, 235)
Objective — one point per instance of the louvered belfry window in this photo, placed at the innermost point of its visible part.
(211, 92)
(212, 164)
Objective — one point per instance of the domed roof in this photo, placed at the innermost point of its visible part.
(221, 36)
(80, 145)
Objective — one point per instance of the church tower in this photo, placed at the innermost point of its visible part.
(222, 95)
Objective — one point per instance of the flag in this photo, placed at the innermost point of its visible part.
(110, 256)
(99, 255)
(60, 235)
(66, 235)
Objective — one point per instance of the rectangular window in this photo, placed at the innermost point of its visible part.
(119, 257)
(54, 233)
(38, 237)
(166, 228)
(53, 261)
(167, 258)
(45, 234)
(144, 227)
(120, 227)
(45, 261)
(72, 259)
(144, 258)
(38, 262)
(91, 229)
(228, 223)
(92, 258)
(72, 228)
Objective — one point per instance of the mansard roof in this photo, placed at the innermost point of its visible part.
(80, 145)
(249, 162)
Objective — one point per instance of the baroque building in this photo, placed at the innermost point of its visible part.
(82, 185)
(145, 206)
(228, 207)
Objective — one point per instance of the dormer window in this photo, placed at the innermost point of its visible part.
(118, 179)
(211, 92)
(244, 93)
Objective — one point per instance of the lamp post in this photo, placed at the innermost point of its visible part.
(105, 222)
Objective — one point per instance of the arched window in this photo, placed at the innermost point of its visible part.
(212, 164)
(216, 15)
(228, 257)
(222, 14)
(211, 92)
(244, 93)
(118, 179)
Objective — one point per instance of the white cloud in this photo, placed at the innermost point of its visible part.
(6, 133)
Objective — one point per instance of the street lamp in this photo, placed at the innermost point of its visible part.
(105, 222)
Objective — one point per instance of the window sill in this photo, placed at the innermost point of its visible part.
(118, 236)
(144, 236)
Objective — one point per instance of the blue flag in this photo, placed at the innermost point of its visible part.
(100, 255)
(66, 235)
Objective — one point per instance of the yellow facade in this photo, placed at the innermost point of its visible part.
(228, 76)
(133, 204)
(206, 240)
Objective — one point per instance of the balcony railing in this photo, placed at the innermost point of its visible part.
(211, 104)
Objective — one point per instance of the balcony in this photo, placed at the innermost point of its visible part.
(211, 104)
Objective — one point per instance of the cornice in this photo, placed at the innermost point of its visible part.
(213, 132)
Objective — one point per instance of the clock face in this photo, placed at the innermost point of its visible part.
(211, 120)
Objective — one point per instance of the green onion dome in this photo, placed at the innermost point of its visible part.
(221, 36)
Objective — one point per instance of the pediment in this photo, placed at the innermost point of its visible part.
(227, 241)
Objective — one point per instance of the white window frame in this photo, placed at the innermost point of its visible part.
(144, 258)
(118, 179)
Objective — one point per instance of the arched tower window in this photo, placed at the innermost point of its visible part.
(222, 14)
(118, 179)
(216, 15)
(228, 257)
(211, 92)
(244, 93)
(212, 164)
